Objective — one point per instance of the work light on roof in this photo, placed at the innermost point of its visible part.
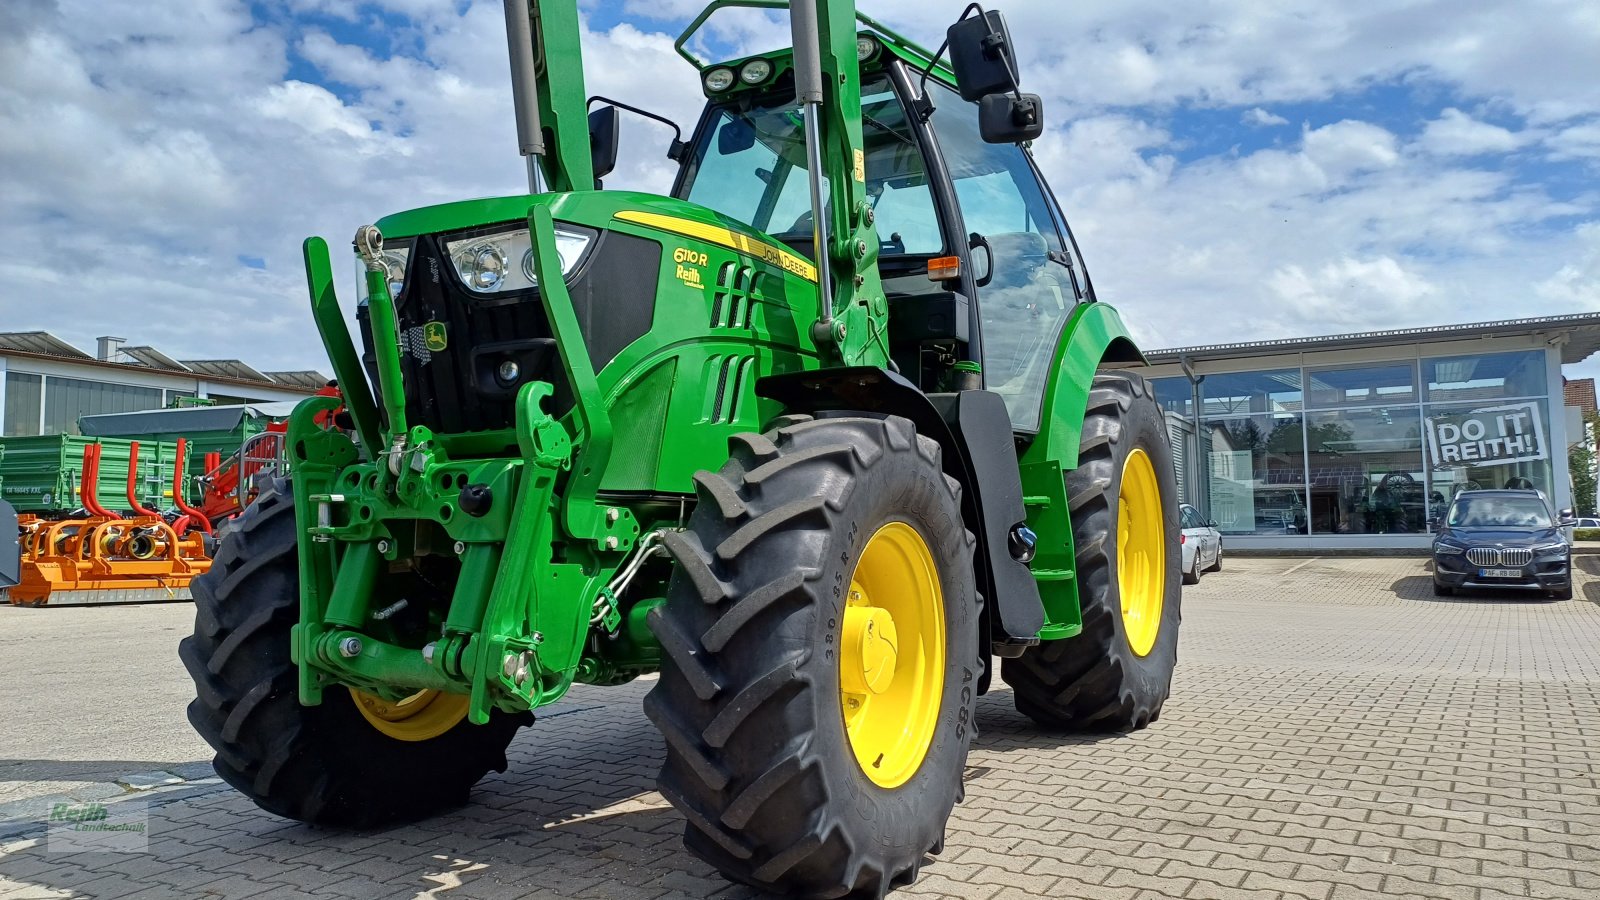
(866, 46)
(719, 80)
(755, 71)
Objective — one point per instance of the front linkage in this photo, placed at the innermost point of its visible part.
(538, 567)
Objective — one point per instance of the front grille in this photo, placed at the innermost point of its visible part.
(454, 386)
(1491, 556)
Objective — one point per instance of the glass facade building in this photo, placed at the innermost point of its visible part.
(1345, 444)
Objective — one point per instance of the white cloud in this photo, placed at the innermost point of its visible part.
(1455, 133)
(1580, 141)
(1576, 285)
(1350, 146)
(1347, 292)
(1261, 118)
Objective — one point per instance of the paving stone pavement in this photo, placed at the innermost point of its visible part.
(1335, 731)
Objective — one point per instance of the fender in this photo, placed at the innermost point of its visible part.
(974, 431)
(1093, 335)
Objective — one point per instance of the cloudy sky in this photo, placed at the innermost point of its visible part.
(1234, 170)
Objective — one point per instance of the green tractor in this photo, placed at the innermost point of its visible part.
(819, 438)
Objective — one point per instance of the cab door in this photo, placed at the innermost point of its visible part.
(1026, 276)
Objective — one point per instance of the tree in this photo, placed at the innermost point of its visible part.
(1580, 463)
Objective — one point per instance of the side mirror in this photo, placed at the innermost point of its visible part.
(1567, 513)
(1008, 119)
(605, 139)
(1211, 523)
(981, 57)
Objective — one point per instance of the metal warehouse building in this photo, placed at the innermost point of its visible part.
(1355, 441)
(46, 383)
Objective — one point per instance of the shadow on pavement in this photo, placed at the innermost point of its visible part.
(1420, 587)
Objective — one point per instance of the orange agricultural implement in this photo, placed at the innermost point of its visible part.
(108, 557)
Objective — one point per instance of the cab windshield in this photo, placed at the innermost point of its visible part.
(751, 165)
(1499, 512)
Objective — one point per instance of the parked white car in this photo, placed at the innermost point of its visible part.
(1202, 544)
(1587, 522)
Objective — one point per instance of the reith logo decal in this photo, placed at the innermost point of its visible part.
(690, 263)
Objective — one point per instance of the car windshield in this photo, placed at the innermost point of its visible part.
(1499, 512)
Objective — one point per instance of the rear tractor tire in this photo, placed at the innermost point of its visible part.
(1117, 673)
(821, 659)
(344, 763)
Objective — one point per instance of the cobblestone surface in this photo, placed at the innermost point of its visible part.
(1335, 732)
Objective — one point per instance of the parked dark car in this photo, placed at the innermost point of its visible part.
(1502, 539)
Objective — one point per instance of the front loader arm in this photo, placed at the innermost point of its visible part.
(547, 81)
(854, 315)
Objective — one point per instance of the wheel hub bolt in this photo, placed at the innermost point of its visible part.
(509, 665)
(350, 647)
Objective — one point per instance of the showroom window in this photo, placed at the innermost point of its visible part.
(1488, 445)
(1363, 385)
(1365, 471)
(1175, 395)
(1245, 393)
(1367, 448)
(1486, 376)
(1256, 473)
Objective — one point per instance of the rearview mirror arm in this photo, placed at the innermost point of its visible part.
(676, 150)
(922, 104)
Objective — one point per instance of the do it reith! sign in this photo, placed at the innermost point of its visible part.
(1489, 436)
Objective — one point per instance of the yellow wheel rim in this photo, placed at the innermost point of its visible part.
(419, 717)
(1141, 552)
(892, 655)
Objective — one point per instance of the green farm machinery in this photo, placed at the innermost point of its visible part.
(823, 438)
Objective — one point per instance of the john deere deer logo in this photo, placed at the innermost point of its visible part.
(434, 336)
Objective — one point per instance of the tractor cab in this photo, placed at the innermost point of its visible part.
(963, 225)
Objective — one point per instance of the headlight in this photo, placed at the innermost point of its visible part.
(1559, 547)
(394, 261)
(865, 47)
(755, 71)
(500, 262)
(1448, 549)
(719, 80)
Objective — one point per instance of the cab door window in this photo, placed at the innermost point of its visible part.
(1025, 288)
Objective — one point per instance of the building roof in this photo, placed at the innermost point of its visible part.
(227, 368)
(1582, 332)
(42, 343)
(150, 356)
(310, 379)
(1579, 392)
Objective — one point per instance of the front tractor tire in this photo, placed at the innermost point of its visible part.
(340, 763)
(821, 659)
(1117, 673)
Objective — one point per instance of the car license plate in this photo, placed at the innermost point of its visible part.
(1500, 573)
